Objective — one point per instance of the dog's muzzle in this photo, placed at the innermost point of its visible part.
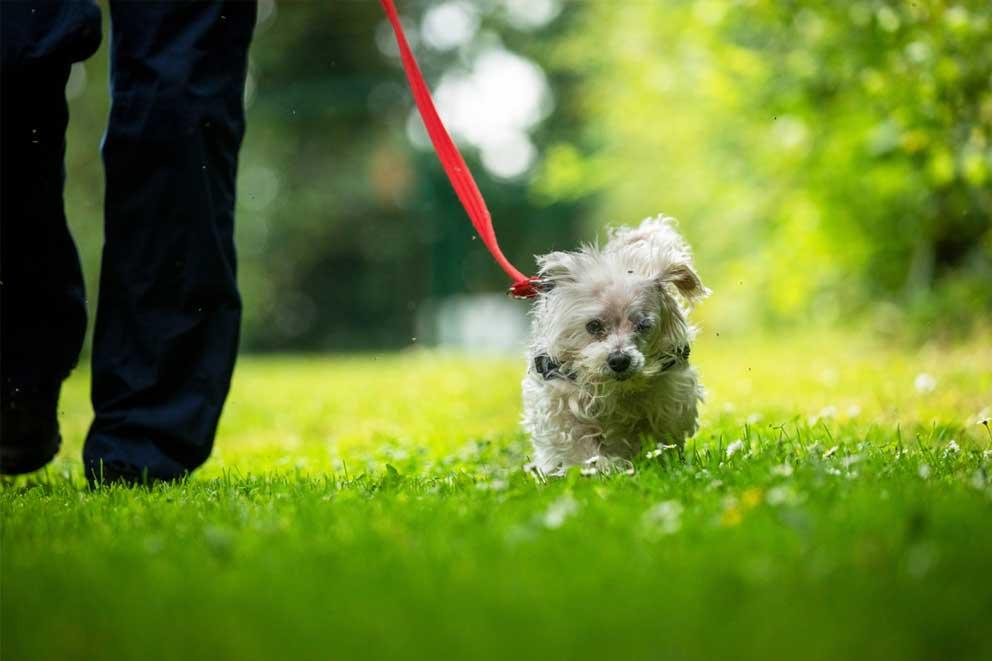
(619, 361)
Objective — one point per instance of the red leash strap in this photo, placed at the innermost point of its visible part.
(453, 163)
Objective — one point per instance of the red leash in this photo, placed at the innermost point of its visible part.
(453, 163)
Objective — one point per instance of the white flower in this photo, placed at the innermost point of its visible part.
(851, 460)
(559, 511)
(982, 417)
(783, 495)
(659, 450)
(829, 453)
(924, 471)
(827, 412)
(924, 383)
(785, 470)
(734, 448)
(495, 485)
(952, 448)
(665, 517)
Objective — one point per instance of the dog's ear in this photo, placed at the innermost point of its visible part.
(557, 267)
(657, 249)
(686, 281)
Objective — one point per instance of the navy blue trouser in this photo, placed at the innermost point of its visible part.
(169, 311)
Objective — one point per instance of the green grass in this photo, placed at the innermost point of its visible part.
(375, 507)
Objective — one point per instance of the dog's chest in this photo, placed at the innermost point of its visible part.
(624, 412)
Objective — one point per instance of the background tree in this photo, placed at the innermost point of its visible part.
(827, 159)
(830, 162)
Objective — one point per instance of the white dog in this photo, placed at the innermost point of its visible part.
(608, 363)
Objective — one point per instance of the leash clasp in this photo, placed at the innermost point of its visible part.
(529, 288)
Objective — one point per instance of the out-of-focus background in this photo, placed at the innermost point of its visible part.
(830, 162)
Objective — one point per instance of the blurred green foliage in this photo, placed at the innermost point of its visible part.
(829, 161)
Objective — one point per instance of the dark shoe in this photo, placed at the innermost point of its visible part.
(106, 474)
(29, 430)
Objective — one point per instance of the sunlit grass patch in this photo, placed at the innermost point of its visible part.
(376, 507)
(316, 412)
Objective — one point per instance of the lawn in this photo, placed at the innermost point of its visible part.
(837, 503)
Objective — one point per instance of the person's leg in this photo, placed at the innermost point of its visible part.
(169, 312)
(42, 301)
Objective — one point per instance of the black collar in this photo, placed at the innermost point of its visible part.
(549, 369)
(681, 356)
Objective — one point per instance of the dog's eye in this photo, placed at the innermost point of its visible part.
(595, 327)
(644, 325)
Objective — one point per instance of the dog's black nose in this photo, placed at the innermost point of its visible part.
(618, 361)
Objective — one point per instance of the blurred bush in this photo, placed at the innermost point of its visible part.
(829, 161)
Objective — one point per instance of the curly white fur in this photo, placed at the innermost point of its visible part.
(627, 301)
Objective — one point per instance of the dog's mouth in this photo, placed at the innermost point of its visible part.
(626, 377)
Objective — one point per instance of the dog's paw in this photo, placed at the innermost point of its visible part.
(540, 474)
(602, 465)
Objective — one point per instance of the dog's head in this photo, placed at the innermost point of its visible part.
(618, 313)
